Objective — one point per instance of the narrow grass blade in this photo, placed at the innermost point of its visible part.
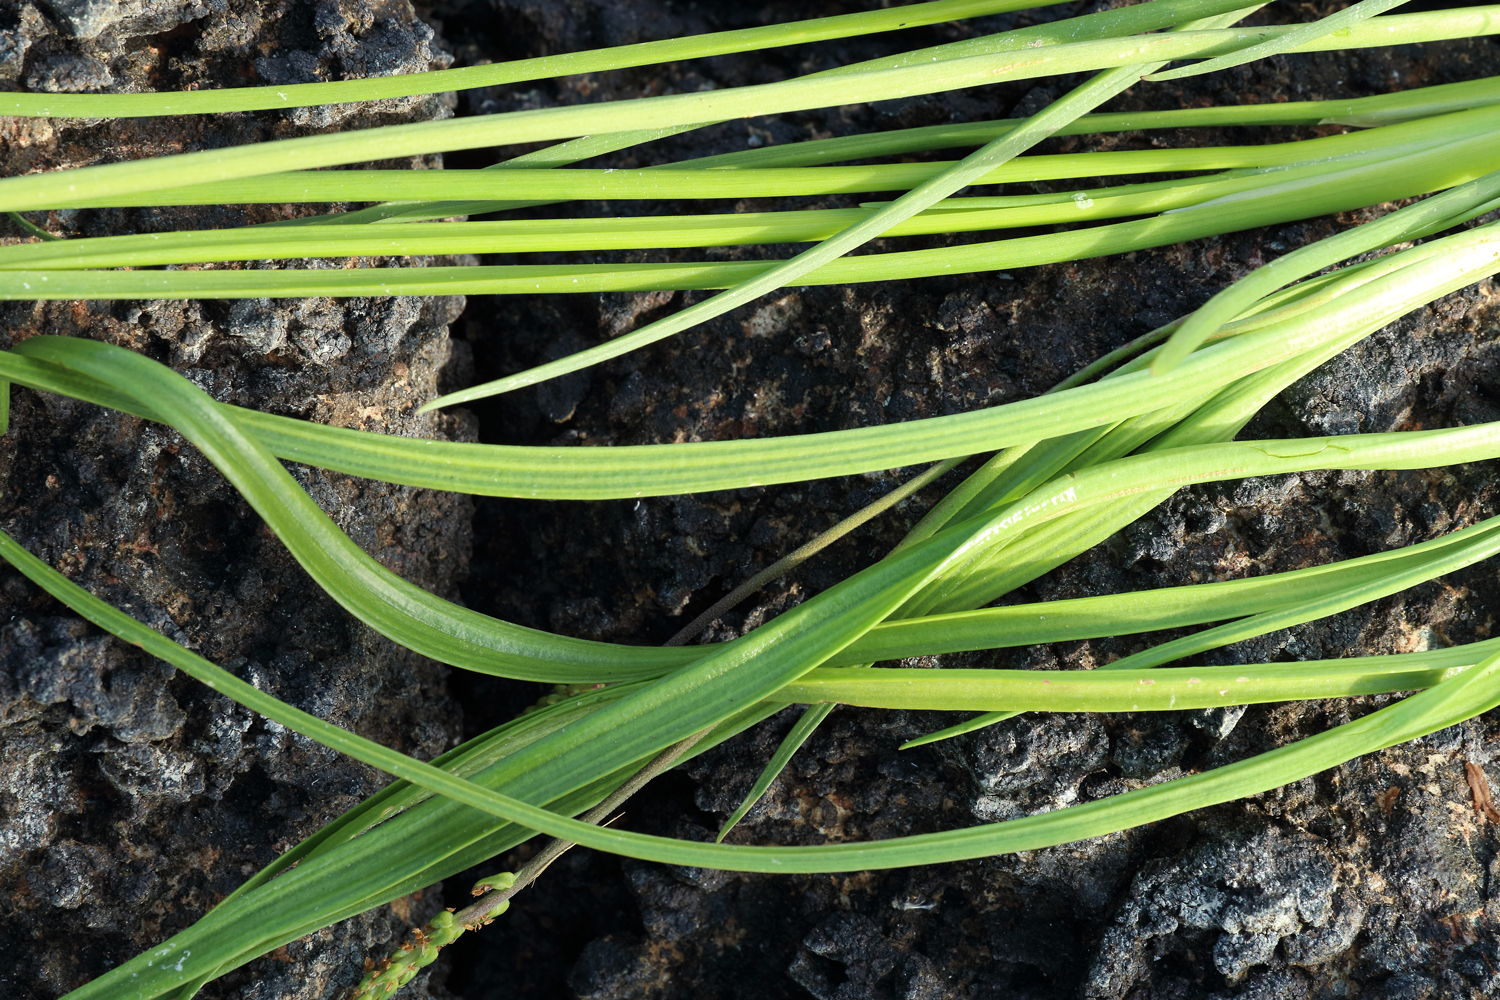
(806, 551)
(1333, 25)
(1176, 607)
(953, 215)
(1440, 211)
(168, 172)
(536, 182)
(1101, 24)
(31, 229)
(1381, 109)
(1362, 592)
(497, 74)
(387, 603)
(805, 727)
(655, 470)
(1338, 190)
(895, 640)
(1452, 700)
(1165, 689)
(1463, 696)
(922, 196)
(561, 155)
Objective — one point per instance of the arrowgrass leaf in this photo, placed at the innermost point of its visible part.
(1451, 700)
(949, 180)
(169, 172)
(690, 181)
(567, 64)
(655, 470)
(806, 725)
(1075, 465)
(1166, 689)
(1432, 169)
(1467, 201)
(1334, 24)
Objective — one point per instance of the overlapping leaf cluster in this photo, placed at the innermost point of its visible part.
(1072, 467)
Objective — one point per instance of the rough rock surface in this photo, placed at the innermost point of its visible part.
(132, 799)
(1375, 879)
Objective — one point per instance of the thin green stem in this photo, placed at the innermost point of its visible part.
(498, 74)
(170, 172)
(808, 549)
(1332, 26)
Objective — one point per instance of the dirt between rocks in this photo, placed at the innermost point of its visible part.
(131, 799)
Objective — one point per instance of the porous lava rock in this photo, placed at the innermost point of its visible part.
(132, 799)
(1372, 879)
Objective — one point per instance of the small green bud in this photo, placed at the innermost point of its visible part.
(445, 935)
(499, 880)
(398, 970)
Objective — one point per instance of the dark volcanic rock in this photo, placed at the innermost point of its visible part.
(1373, 879)
(132, 799)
